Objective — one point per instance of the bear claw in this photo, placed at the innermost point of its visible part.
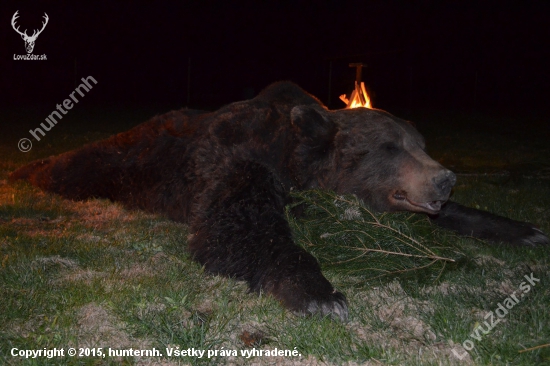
(536, 238)
(336, 307)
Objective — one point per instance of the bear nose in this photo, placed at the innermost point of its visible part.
(445, 182)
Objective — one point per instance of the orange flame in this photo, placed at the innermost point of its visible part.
(358, 98)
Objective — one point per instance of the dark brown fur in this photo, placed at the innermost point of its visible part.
(227, 174)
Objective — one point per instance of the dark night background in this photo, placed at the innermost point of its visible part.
(489, 56)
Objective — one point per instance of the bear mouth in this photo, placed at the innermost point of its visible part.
(430, 206)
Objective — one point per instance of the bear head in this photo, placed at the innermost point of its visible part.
(372, 154)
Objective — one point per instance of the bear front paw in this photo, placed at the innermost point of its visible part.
(313, 300)
(334, 305)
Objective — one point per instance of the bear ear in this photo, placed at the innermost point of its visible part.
(313, 121)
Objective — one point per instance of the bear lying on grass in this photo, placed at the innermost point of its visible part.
(227, 173)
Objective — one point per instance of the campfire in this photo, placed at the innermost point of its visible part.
(359, 96)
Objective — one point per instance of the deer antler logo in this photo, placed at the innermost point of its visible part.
(29, 41)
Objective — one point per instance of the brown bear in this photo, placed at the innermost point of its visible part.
(227, 174)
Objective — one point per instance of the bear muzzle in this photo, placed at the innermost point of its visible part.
(404, 203)
(428, 200)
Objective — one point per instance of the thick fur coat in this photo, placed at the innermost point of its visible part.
(227, 174)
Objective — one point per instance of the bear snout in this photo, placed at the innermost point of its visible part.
(444, 182)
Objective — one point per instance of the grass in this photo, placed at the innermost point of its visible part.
(94, 275)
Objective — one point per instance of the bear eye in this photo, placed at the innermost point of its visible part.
(390, 147)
